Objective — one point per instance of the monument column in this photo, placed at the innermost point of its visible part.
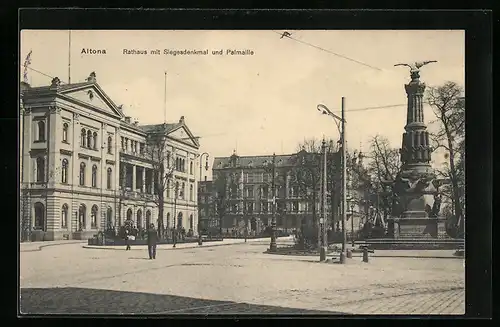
(413, 184)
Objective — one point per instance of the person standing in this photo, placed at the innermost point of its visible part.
(152, 240)
(127, 239)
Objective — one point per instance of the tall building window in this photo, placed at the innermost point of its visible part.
(176, 189)
(168, 188)
(94, 136)
(191, 192)
(83, 140)
(41, 130)
(94, 176)
(64, 171)
(191, 168)
(168, 160)
(89, 139)
(110, 173)
(40, 169)
(64, 216)
(182, 190)
(65, 133)
(82, 174)
(93, 217)
(110, 144)
(123, 143)
(82, 217)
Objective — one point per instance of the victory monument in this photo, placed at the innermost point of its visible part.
(416, 189)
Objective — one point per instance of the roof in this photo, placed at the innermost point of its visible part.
(284, 160)
(158, 128)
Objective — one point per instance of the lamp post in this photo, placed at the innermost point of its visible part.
(272, 245)
(174, 234)
(352, 222)
(325, 111)
(199, 182)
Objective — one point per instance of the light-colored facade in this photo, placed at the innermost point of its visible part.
(84, 165)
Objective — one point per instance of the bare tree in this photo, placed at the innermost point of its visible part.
(225, 188)
(383, 166)
(448, 104)
(164, 166)
(306, 173)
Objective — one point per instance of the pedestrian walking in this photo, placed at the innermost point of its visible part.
(152, 240)
(127, 239)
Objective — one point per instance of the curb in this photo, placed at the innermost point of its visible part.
(104, 247)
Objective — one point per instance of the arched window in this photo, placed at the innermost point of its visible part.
(64, 171)
(108, 181)
(64, 216)
(94, 176)
(191, 222)
(110, 144)
(82, 217)
(93, 217)
(139, 218)
(89, 139)
(191, 192)
(177, 164)
(148, 218)
(94, 136)
(179, 220)
(41, 130)
(39, 216)
(40, 169)
(129, 214)
(65, 133)
(168, 219)
(191, 168)
(83, 140)
(176, 189)
(82, 174)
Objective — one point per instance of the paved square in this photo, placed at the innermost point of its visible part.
(236, 278)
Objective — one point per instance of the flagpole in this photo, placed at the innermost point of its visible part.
(165, 102)
(69, 57)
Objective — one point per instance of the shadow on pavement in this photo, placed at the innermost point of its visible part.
(96, 301)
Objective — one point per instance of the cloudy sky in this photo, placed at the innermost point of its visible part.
(260, 103)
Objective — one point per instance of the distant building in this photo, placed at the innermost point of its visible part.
(250, 195)
(84, 169)
(206, 214)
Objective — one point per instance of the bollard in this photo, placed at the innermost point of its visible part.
(349, 253)
(365, 254)
(322, 253)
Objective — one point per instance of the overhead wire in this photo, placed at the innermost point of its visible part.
(326, 50)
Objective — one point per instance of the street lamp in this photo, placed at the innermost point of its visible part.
(174, 234)
(273, 246)
(199, 183)
(340, 122)
(352, 222)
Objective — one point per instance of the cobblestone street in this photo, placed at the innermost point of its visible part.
(235, 278)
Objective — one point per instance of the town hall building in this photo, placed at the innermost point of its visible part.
(86, 167)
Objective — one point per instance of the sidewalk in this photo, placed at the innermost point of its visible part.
(37, 246)
(227, 241)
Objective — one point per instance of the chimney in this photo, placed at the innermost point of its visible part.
(24, 86)
(92, 78)
(181, 120)
(56, 82)
(127, 119)
(136, 123)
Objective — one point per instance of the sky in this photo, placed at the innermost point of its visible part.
(260, 103)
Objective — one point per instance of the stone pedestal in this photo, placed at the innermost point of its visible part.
(419, 228)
